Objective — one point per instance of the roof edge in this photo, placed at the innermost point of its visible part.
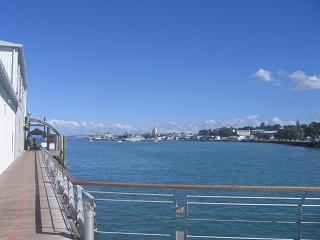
(10, 44)
(21, 56)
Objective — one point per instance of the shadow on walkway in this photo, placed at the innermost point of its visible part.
(42, 182)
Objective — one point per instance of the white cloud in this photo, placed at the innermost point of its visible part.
(290, 122)
(122, 127)
(277, 120)
(265, 76)
(84, 124)
(70, 124)
(304, 82)
(210, 122)
(255, 121)
(249, 120)
(174, 123)
(252, 117)
(87, 126)
(84, 127)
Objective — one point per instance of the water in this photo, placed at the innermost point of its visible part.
(214, 163)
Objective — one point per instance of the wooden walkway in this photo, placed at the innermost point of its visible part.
(28, 206)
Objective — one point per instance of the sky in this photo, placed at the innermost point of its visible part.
(178, 65)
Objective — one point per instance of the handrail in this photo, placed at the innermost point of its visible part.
(184, 186)
(197, 187)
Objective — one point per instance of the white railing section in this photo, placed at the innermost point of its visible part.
(79, 203)
(184, 212)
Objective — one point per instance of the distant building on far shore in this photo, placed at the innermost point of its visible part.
(243, 134)
(156, 132)
(108, 136)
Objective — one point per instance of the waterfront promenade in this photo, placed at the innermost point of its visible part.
(28, 205)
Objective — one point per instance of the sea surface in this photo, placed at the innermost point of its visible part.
(209, 163)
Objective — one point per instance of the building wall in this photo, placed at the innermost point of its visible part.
(7, 60)
(7, 131)
(11, 116)
(19, 133)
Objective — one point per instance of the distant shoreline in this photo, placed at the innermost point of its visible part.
(291, 143)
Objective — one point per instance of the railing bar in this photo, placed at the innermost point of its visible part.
(239, 220)
(310, 214)
(250, 204)
(138, 234)
(120, 209)
(88, 194)
(249, 221)
(130, 193)
(244, 204)
(243, 197)
(268, 213)
(277, 213)
(242, 238)
(129, 200)
(273, 213)
(141, 218)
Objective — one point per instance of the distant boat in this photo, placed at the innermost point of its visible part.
(91, 137)
(95, 136)
(119, 141)
(134, 138)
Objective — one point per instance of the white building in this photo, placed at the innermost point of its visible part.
(156, 132)
(13, 85)
(107, 136)
(243, 134)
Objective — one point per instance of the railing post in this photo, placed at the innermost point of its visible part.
(299, 234)
(89, 221)
(80, 214)
(182, 217)
(181, 235)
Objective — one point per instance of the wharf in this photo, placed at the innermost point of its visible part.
(293, 143)
(28, 205)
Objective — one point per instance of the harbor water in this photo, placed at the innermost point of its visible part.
(209, 163)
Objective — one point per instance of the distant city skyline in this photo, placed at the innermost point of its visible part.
(83, 127)
(177, 65)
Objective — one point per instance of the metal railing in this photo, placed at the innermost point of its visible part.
(184, 212)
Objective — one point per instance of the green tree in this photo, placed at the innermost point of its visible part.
(226, 132)
(289, 133)
(262, 125)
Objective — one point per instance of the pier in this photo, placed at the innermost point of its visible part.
(28, 204)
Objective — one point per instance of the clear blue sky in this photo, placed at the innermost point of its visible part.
(189, 64)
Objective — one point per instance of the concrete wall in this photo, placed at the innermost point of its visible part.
(12, 115)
